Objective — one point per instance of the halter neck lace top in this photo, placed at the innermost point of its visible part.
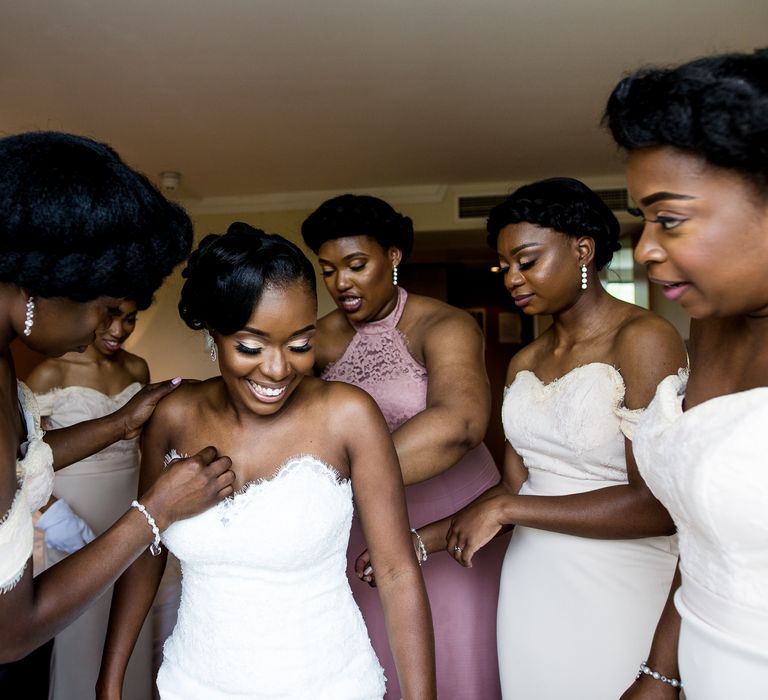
(377, 360)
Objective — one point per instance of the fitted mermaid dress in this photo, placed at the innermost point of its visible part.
(99, 489)
(266, 610)
(463, 601)
(576, 615)
(708, 466)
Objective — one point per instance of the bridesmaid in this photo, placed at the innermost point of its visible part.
(74, 387)
(697, 138)
(422, 361)
(588, 567)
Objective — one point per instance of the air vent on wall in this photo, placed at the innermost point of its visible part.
(478, 207)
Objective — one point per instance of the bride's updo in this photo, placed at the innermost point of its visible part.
(227, 274)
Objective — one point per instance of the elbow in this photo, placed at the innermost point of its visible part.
(473, 432)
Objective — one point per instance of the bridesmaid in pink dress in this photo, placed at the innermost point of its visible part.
(422, 362)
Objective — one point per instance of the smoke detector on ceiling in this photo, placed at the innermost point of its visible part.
(170, 181)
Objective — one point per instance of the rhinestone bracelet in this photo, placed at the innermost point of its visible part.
(644, 669)
(154, 548)
(422, 556)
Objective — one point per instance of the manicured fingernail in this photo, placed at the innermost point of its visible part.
(176, 380)
(368, 571)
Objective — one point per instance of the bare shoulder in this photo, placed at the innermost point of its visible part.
(527, 357)
(332, 337)
(49, 374)
(432, 314)
(346, 407)
(137, 367)
(183, 405)
(646, 335)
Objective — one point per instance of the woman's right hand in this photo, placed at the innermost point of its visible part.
(189, 486)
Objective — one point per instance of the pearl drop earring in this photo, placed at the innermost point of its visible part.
(583, 276)
(394, 275)
(29, 318)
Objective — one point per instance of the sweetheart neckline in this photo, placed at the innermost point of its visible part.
(568, 374)
(247, 486)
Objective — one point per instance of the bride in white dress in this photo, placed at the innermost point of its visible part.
(266, 609)
(588, 566)
(698, 168)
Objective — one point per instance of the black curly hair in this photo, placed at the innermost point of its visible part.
(227, 274)
(358, 215)
(77, 222)
(715, 106)
(565, 205)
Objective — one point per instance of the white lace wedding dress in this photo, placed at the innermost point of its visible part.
(266, 610)
(708, 466)
(576, 615)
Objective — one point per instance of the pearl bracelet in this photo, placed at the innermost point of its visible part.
(154, 548)
(422, 556)
(644, 669)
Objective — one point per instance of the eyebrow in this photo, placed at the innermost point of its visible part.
(659, 196)
(264, 334)
(523, 246)
(356, 254)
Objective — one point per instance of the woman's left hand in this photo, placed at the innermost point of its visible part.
(472, 528)
(139, 409)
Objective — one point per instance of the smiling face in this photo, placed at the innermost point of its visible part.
(61, 325)
(705, 236)
(541, 267)
(122, 322)
(358, 274)
(263, 363)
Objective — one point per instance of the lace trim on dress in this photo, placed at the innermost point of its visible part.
(34, 474)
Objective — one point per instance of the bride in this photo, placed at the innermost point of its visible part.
(266, 609)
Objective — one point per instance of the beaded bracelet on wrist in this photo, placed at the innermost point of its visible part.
(154, 548)
(646, 670)
(422, 556)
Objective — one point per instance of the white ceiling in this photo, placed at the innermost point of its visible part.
(249, 97)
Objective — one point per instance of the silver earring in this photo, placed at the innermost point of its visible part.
(210, 345)
(394, 275)
(583, 276)
(29, 319)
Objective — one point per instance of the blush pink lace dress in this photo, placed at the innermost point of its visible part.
(463, 601)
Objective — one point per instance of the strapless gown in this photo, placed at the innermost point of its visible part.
(576, 615)
(99, 489)
(708, 466)
(266, 610)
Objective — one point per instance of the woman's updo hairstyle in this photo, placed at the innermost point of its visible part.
(76, 222)
(716, 107)
(227, 274)
(358, 215)
(565, 205)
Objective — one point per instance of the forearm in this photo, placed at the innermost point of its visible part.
(433, 441)
(70, 445)
(36, 610)
(434, 534)
(663, 654)
(409, 626)
(615, 512)
(131, 602)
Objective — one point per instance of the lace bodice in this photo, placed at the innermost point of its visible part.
(708, 466)
(266, 609)
(377, 360)
(69, 405)
(34, 474)
(572, 427)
